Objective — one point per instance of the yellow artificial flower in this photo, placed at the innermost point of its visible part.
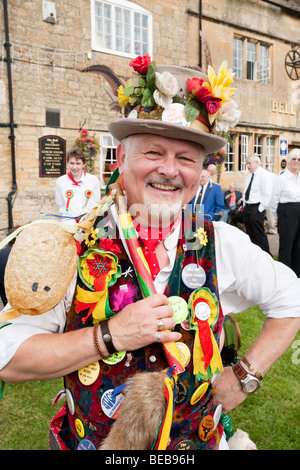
(219, 85)
(123, 99)
(91, 238)
(201, 234)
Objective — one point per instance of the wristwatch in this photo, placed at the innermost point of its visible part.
(248, 382)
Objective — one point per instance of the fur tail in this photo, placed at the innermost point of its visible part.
(140, 416)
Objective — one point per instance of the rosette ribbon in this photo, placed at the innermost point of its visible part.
(98, 270)
(204, 308)
(88, 194)
(69, 195)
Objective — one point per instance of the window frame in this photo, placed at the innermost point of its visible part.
(133, 10)
(108, 146)
(258, 70)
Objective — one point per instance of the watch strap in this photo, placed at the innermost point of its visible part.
(239, 371)
(106, 336)
(251, 368)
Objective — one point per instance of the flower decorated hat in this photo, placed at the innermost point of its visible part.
(177, 102)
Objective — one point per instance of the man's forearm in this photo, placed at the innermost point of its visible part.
(49, 356)
(275, 338)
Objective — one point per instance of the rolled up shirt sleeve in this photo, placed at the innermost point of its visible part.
(248, 276)
(14, 332)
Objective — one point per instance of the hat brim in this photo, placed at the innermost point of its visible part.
(125, 127)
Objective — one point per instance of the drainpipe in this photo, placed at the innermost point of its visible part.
(200, 37)
(11, 125)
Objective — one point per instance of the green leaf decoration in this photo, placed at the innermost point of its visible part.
(151, 78)
(148, 100)
(128, 91)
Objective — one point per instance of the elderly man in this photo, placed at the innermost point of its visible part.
(256, 198)
(160, 164)
(209, 195)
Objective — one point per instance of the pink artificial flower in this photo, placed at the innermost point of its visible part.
(213, 105)
(84, 132)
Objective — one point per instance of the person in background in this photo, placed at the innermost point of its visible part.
(77, 192)
(256, 199)
(232, 199)
(212, 169)
(211, 196)
(285, 208)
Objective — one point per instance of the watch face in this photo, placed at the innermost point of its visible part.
(250, 384)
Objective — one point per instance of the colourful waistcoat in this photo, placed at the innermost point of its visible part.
(86, 399)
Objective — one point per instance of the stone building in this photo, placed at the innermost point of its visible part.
(45, 98)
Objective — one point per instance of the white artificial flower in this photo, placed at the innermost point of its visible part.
(167, 87)
(227, 118)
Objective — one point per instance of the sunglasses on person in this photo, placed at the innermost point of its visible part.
(295, 159)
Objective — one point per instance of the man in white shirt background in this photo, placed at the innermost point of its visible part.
(77, 192)
(256, 197)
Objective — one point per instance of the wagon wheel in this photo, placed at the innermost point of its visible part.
(292, 64)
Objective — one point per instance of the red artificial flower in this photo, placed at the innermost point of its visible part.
(141, 63)
(107, 244)
(202, 93)
(213, 105)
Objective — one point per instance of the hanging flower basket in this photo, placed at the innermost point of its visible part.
(217, 159)
(90, 146)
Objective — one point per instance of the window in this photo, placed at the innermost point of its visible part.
(238, 57)
(263, 65)
(121, 27)
(108, 145)
(257, 64)
(258, 146)
(243, 151)
(270, 153)
(251, 60)
(229, 162)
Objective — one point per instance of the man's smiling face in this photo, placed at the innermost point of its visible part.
(159, 171)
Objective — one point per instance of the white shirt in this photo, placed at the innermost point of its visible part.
(247, 276)
(198, 192)
(83, 197)
(261, 189)
(286, 189)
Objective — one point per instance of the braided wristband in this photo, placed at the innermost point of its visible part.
(95, 339)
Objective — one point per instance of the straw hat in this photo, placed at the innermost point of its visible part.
(176, 102)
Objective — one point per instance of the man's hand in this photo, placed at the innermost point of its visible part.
(228, 389)
(136, 325)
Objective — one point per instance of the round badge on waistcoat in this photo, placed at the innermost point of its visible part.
(180, 393)
(79, 427)
(206, 428)
(202, 311)
(110, 403)
(185, 445)
(180, 308)
(85, 444)
(115, 358)
(199, 392)
(193, 276)
(89, 374)
(184, 353)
